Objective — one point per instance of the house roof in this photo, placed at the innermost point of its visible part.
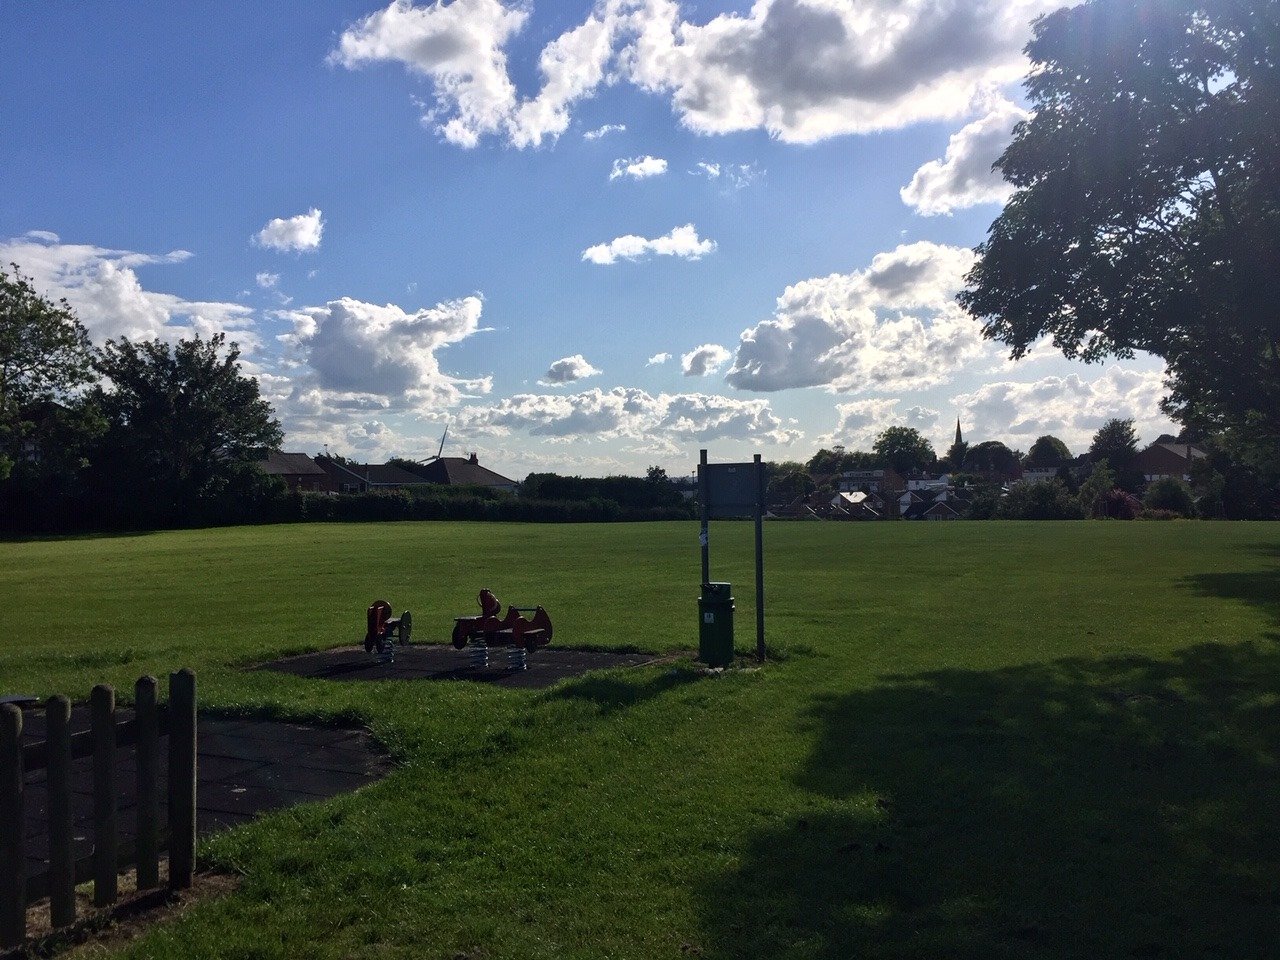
(278, 463)
(376, 474)
(461, 471)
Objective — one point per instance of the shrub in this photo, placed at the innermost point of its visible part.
(1117, 504)
(1170, 494)
(1048, 500)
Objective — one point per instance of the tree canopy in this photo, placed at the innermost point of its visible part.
(183, 422)
(1116, 442)
(904, 449)
(1048, 451)
(1147, 207)
(993, 459)
(44, 354)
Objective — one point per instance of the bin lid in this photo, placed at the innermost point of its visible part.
(717, 589)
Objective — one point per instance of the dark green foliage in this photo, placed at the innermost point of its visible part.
(1116, 504)
(640, 493)
(905, 449)
(992, 459)
(1047, 500)
(1116, 442)
(1170, 493)
(1048, 451)
(1147, 211)
(787, 484)
(184, 427)
(838, 460)
(44, 357)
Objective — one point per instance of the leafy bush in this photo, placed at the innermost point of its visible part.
(1048, 500)
(1117, 504)
(1170, 494)
(1149, 514)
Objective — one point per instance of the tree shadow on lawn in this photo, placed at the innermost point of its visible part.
(609, 693)
(1116, 808)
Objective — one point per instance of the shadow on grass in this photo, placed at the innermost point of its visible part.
(1117, 808)
(611, 693)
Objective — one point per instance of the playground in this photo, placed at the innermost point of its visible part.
(970, 740)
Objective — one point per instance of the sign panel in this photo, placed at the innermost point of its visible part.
(732, 489)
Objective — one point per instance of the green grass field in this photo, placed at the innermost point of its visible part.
(979, 740)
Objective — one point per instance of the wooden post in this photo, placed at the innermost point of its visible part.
(106, 827)
(62, 854)
(13, 856)
(182, 779)
(760, 490)
(148, 755)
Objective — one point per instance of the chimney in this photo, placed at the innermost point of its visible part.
(474, 459)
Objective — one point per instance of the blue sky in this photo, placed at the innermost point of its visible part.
(497, 214)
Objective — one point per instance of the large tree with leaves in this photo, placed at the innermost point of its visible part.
(44, 357)
(1147, 206)
(905, 449)
(184, 424)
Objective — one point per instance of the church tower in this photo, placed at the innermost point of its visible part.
(959, 439)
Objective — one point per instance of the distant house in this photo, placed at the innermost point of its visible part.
(1037, 475)
(364, 477)
(880, 481)
(1165, 459)
(463, 472)
(298, 471)
(857, 506)
(919, 480)
(931, 505)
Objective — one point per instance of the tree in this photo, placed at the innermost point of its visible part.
(656, 475)
(788, 483)
(1048, 451)
(44, 356)
(1147, 207)
(1046, 500)
(1170, 493)
(184, 424)
(1116, 442)
(1098, 484)
(991, 458)
(904, 449)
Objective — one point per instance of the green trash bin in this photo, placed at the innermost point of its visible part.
(715, 624)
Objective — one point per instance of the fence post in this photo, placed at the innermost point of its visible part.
(148, 752)
(182, 778)
(62, 854)
(13, 858)
(106, 833)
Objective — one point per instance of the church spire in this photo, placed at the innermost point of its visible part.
(959, 439)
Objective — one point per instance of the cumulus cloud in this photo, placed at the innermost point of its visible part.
(103, 288)
(638, 168)
(292, 234)
(705, 360)
(657, 358)
(267, 280)
(629, 413)
(604, 131)
(892, 326)
(568, 370)
(362, 356)
(680, 242)
(803, 70)
(1069, 407)
(964, 177)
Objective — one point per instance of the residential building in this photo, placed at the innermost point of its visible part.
(298, 471)
(348, 477)
(465, 472)
(1163, 459)
(883, 481)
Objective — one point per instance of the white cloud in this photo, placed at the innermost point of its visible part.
(299, 233)
(568, 370)
(657, 358)
(104, 290)
(1070, 408)
(604, 131)
(735, 176)
(629, 413)
(705, 360)
(680, 242)
(860, 422)
(964, 178)
(267, 280)
(638, 168)
(803, 70)
(892, 326)
(363, 356)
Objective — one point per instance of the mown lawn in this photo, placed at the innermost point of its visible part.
(979, 740)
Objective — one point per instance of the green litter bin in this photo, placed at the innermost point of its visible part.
(715, 624)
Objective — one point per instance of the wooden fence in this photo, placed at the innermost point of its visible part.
(55, 755)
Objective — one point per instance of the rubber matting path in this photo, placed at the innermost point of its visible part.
(442, 662)
(243, 768)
